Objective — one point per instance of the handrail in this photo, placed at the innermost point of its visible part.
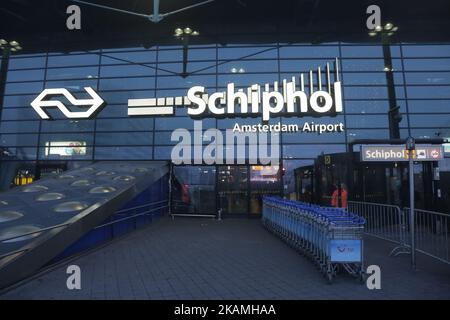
(66, 224)
(127, 218)
(428, 211)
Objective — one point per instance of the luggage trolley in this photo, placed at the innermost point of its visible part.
(330, 237)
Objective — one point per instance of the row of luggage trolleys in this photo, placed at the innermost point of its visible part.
(331, 237)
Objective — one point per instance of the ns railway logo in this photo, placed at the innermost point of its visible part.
(289, 97)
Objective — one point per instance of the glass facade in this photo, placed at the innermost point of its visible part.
(420, 83)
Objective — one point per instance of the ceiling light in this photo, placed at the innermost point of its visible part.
(378, 28)
(388, 26)
(372, 33)
(14, 43)
(187, 30)
(195, 33)
(394, 29)
(241, 70)
(3, 41)
(233, 70)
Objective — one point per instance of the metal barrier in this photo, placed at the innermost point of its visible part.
(388, 222)
(383, 221)
(331, 237)
(431, 236)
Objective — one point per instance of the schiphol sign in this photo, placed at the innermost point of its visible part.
(396, 153)
(287, 98)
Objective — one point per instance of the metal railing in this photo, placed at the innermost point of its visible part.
(431, 233)
(382, 221)
(389, 222)
(123, 211)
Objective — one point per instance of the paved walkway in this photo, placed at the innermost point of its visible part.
(231, 259)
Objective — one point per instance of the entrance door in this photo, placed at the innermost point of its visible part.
(240, 189)
(232, 189)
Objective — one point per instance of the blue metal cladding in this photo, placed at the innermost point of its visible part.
(144, 209)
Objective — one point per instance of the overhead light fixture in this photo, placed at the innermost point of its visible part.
(241, 70)
(372, 33)
(388, 26)
(233, 70)
(187, 31)
(12, 46)
(394, 29)
(378, 28)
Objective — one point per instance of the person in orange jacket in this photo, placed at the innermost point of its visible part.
(339, 194)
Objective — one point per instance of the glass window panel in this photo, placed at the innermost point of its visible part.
(25, 75)
(368, 64)
(310, 150)
(128, 83)
(116, 111)
(309, 52)
(116, 97)
(368, 51)
(129, 124)
(18, 101)
(245, 80)
(371, 106)
(189, 81)
(427, 120)
(353, 134)
(26, 63)
(72, 73)
(427, 77)
(183, 123)
(22, 153)
(245, 66)
(132, 57)
(427, 64)
(27, 87)
(124, 138)
(19, 114)
(428, 106)
(127, 70)
(251, 52)
(436, 92)
(369, 78)
(72, 84)
(122, 153)
(69, 151)
(162, 153)
(426, 50)
(367, 121)
(67, 125)
(304, 66)
(19, 126)
(18, 139)
(67, 138)
(371, 92)
(73, 60)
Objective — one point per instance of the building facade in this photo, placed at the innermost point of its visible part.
(413, 76)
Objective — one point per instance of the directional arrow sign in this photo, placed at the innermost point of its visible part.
(94, 104)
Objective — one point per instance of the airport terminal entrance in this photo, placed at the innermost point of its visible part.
(236, 190)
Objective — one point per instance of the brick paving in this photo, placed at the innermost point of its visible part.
(189, 258)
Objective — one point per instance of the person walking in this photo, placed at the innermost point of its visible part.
(339, 197)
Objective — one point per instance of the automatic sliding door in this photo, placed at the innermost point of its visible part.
(232, 183)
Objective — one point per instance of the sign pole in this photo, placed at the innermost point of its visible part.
(410, 146)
